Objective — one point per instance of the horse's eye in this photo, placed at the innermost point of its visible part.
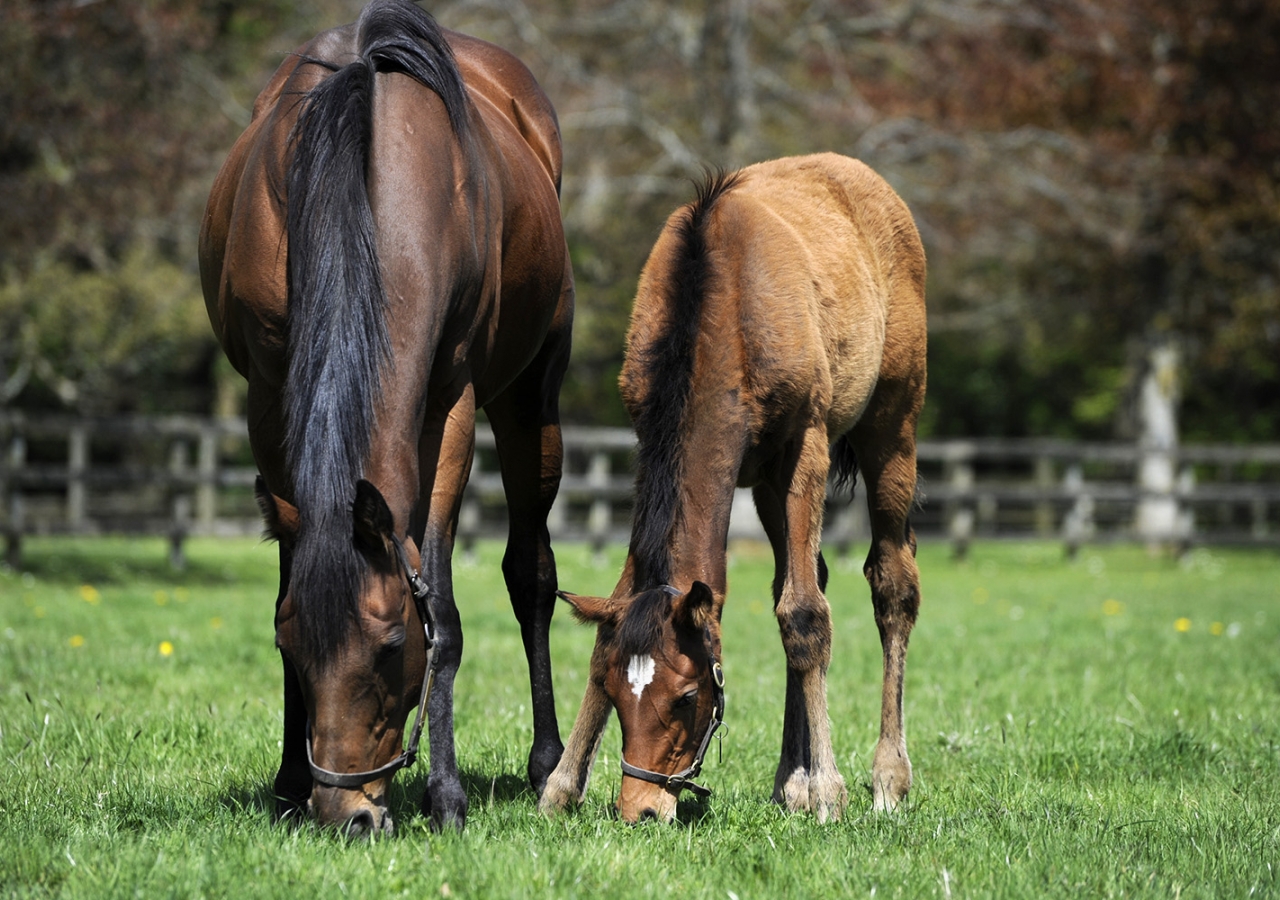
(687, 699)
(393, 646)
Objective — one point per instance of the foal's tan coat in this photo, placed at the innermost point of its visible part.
(812, 329)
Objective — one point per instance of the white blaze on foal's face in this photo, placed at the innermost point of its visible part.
(639, 674)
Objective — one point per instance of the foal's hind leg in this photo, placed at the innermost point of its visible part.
(890, 473)
(807, 776)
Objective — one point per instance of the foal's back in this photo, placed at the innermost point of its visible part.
(816, 286)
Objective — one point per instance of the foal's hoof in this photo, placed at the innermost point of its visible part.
(890, 776)
(828, 798)
(558, 796)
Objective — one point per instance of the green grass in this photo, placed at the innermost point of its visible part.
(1068, 738)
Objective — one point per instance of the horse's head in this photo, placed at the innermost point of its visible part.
(657, 658)
(351, 630)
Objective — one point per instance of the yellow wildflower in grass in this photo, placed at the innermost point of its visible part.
(1217, 628)
(77, 640)
(89, 593)
(1183, 624)
(1112, 607)
(215, 622)
(166, 648)
(162, 598)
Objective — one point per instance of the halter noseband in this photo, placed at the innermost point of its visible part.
(683, 780)
(418, 587)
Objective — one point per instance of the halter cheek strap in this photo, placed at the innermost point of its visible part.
(418, 587)
(683, 780)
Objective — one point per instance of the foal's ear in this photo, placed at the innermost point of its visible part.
(281, 517)
(697, 607)
(373, 523)
(592, 610)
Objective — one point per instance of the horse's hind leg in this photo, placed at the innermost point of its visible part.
(526, 426)
(807, 776)
(890, 473)
(445, 452)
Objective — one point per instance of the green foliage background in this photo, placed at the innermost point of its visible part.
(1090, 179)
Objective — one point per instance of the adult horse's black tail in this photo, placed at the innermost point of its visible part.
(338, 339)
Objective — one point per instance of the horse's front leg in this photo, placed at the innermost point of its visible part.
(804, 619)
(527, 431)
(292, 785)
(445, 453)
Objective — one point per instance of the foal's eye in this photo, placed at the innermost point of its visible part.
(687, 699)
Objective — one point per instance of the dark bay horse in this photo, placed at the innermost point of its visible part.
(382, 253)
(778, 332)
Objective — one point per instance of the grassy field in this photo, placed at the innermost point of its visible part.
(1103, 727)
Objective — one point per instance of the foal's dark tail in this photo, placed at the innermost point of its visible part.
(844, 465)
(337, 330)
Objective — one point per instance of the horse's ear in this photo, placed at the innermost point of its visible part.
(281, 517)
(374, 526)
(698, 607)
(592, 610)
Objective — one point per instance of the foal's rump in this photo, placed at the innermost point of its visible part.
(829, 269)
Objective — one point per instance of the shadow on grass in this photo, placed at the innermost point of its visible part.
(69, 561)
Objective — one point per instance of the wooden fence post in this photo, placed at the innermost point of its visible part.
(207, 472)
(77, 463)
(181, 522)
(958, 471)
(600, 518)
(17, 514)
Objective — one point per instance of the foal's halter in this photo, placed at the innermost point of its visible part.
(683, 780)
(327, 777)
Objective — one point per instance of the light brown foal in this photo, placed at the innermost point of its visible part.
(778, 332)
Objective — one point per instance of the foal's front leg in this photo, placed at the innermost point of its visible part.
(567, 785)
(805, 621)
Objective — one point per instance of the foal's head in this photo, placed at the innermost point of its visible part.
(657, 657)
(348, 628)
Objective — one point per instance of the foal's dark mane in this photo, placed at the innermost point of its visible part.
(668, 363)
(338, 343)
(640, 630)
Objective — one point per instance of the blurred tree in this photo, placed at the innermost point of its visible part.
(1091, 177)
(116, 116)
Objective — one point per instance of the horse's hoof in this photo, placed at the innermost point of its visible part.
(445, 808)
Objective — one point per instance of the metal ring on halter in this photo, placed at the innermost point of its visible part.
(418, 587)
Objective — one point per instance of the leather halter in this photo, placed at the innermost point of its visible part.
(683, 780)
(418, 587)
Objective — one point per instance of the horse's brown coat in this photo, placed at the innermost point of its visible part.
(478, 307)
(811, 330)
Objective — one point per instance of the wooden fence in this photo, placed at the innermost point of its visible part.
(179, 475)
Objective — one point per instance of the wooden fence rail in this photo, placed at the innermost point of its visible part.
(184, 475)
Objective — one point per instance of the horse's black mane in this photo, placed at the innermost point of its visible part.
(338, 341)
(668, 362)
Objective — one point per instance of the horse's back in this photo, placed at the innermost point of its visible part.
(829, 272)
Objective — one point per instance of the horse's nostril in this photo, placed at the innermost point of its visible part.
(648, 814)
(360, 824)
